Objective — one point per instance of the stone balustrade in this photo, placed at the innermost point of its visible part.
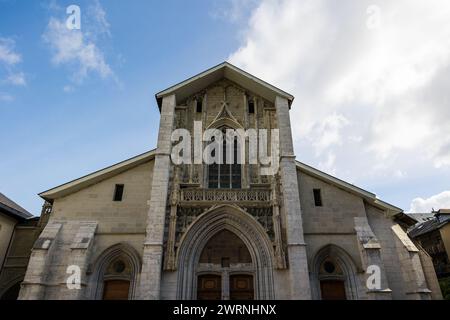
(224, 195)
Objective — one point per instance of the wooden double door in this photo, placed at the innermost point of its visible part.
(209, 287)
(116, 290)
(332, 290)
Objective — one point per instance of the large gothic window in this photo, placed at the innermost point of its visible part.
(226, 176)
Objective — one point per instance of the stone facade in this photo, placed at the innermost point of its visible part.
(163, 239)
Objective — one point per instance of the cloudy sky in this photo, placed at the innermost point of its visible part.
(371, 81)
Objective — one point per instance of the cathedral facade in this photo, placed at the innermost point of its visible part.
(153, 228)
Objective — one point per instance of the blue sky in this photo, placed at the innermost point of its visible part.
(69, 111)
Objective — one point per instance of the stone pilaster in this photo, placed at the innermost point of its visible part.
(413, 275)
(296, 247)
(370, 252)
(35, 282)
(80, 253)
(169, 259)
(153, 247)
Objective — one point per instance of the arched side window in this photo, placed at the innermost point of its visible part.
(115, 275)
(226, 175)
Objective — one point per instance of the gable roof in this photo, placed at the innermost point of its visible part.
(366, 195)
(226, 70)
(96, 177)
(11, 208)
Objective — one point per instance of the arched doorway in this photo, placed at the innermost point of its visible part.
(115, 273)
(332, 281)
(248, 262)
(333, 276)
(225, 269)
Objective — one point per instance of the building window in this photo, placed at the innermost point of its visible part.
(251, 106)
(199, 105)
(317, 198)
(225, 176)
(329, 266)
(119, 266)
(118, 192)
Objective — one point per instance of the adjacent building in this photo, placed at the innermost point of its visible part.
(18, 231)
(433, 234)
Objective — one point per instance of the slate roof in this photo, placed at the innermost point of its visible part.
(11, 208)
(421, 217)
(437, 222)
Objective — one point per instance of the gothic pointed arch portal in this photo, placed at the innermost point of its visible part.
(233, 219)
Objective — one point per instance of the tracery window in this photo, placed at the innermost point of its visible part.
(225, 175)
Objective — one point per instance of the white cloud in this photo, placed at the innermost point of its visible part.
(97, 22)
(9, 75)
(369, 102)
(329, 164)
(17, 79)
(232, 10)
(68, 89)
(329, 132)
(436, 202)
(79, 49)
(5, 97)
(399, 174)
(8, 55)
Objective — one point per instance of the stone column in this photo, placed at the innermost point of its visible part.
(296, 247)
(153, 247)
(225, 285)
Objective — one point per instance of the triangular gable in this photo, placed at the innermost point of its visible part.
(225, 70)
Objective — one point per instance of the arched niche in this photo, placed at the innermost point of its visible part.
(117, 268)
(332, 264)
